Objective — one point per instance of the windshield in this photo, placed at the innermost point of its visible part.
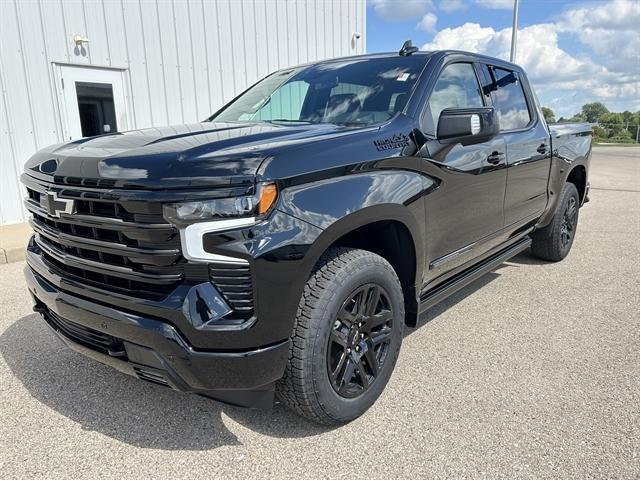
(350, 92)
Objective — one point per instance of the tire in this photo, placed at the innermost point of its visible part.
(554, 241)
(340, 361)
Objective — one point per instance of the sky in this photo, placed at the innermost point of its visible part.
(573, 52)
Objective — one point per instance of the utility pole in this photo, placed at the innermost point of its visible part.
(514, 32)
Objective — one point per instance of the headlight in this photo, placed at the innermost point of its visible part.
(221, 208)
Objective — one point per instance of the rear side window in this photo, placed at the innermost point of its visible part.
(457, 87)
(510, 101)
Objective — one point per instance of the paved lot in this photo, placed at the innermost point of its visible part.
(531, 372)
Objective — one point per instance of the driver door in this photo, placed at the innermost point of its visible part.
(465, 213)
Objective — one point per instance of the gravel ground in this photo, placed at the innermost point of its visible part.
(531, 372)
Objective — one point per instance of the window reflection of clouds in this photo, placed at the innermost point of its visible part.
(513, 119)
(357, 91)
(457, 87)
(511, 107)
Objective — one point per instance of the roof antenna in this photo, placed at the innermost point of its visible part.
(407, 49)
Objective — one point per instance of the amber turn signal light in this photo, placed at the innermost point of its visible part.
(268, 195)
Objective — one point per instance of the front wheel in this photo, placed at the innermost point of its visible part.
(554, 241)
(346, 337)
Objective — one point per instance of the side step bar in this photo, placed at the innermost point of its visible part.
(439, 293)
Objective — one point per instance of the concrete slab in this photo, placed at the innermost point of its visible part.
(532, 372)
(13, 241)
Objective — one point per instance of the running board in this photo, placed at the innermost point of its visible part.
(439, 293)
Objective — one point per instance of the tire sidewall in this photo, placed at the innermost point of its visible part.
(568, 192)
(347, 280)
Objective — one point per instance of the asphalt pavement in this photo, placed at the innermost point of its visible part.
(533, 371)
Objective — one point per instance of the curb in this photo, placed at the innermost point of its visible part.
(13, 242)
(10, 255)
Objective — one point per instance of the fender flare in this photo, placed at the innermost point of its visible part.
(377, 213)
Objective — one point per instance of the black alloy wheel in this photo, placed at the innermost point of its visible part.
(553, 242)
(569, 221)
(359, 340)
(346, 337)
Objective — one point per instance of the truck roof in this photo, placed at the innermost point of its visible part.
(421, 54)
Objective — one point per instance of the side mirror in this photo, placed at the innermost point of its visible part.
(467, 125)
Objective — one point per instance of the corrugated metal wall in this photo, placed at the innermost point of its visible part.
(184, 59)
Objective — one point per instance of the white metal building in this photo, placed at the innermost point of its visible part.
(70, 68)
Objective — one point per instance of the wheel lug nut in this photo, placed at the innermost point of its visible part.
(362, 335)
(357, 349)
(348, 350)
(360, 324)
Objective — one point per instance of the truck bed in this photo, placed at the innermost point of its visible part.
(571, 141)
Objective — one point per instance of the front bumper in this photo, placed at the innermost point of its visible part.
(156, 351)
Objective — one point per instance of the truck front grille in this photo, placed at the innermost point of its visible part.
(126, 247)
(87, 337)
(120, 248)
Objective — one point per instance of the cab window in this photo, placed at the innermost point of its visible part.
(509, 100)
(457, 87)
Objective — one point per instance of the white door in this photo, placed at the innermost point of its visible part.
(93, 101)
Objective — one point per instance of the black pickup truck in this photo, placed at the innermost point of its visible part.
(280, 246)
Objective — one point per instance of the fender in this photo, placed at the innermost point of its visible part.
(565, 159)
(339, 206)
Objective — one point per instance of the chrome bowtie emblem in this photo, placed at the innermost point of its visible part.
(54, 205)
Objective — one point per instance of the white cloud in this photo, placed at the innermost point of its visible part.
(497, 4)
(538, 50)
(401, 9)
(612, 30)
(470, 36)
(450, 6)
(563, 81)
(428, 23)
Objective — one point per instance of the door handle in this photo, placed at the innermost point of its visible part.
(542, 149)
(495, 158)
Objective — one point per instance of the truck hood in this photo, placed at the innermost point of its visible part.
(202, 154)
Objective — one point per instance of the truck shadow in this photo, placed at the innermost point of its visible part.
(103, 400)
(526, 258)
(454, 299)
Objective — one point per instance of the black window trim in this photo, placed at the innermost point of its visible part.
(526, 92)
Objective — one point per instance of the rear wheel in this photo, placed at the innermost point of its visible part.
(554, 242)
(346, 337)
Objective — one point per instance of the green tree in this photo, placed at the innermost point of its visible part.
(599, 133)
(624, 136)
(593, 111)
(612, 118)
(613, 123)
(549, 116)
(611, 127)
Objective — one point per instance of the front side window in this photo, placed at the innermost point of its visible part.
(457, 87)
(510, 101)
(350, 92)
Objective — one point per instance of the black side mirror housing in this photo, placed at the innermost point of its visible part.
(467, 125)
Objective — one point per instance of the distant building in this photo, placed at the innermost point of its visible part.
(70, 69)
